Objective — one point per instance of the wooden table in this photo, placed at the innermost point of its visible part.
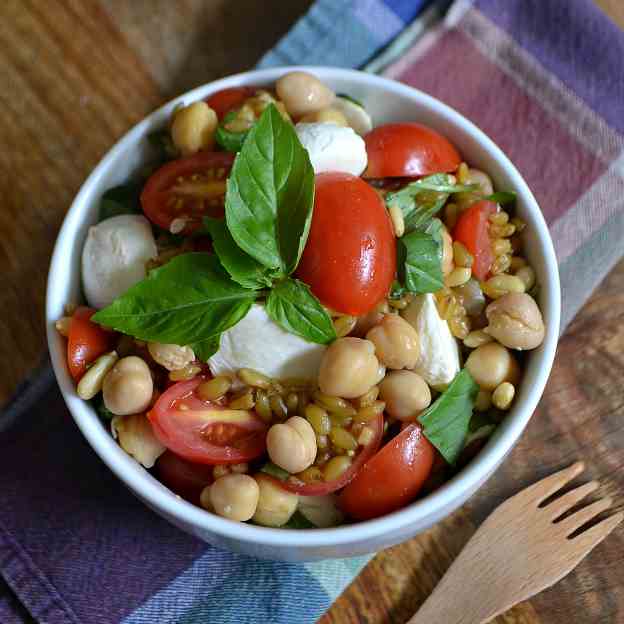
(76, 74)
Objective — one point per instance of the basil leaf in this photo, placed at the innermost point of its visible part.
(275, 471)
(446, 422)
(422, 270)
(294, 308)
(396, 290)
(119, 200)
(243, 269)
(502, 197)
(229, 140)
(188, 301)
(270, 194)
(205, 349)
(419, 201)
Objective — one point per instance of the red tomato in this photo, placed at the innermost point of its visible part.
(320, 489)
(188, 188)
(224, 101)
(392, 478)
(203, 432)
(472, 230)
(183, 477)
(349, 260)
(86, 342)
(408, 149)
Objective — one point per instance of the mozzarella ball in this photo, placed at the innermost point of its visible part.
(114, 257)
(333, 148)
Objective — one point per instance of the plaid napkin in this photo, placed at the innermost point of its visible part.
(546, 82)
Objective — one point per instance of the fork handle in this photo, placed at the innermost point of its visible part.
(453, 603)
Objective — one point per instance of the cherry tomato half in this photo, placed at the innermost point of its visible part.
(86, 342)
(203, 432)
(472, 230)
(408, 149)
(183, 477)
(392, 478)
(222, 102)
(349, 260)
(188, 188)
(322, 488)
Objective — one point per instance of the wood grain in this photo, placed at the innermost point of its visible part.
(76, 74)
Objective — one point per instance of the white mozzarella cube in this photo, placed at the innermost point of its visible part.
(258, 343)
(333, 148)
(114, 257)
(438, 363)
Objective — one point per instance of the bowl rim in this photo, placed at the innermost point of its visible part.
(435, 505)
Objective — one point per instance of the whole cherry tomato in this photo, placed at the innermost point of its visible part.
(391, 478)
(349, 260)
(408, 149)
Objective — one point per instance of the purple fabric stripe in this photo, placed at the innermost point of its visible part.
(35, 591)
(575, 41)
(105, 552)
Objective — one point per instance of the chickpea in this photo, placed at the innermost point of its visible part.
(303, 93)
(516, 321)
(128, 387)
(171, 356)
(136, 436)
(292, 445)
(406, 394)
(370, 319)
(491, 364)
(235, 496)
(327, 115)
(396, 342)
(349, 368)
(447, 252)
(275, 505)
(194, 127)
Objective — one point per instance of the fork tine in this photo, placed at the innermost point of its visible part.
(587, 540)
(559, 506)
(582, 516)
(546, 487)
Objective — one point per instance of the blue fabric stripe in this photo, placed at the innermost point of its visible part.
(343, 33)
(223, 588)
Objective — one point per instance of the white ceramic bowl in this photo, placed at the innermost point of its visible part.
(386, 101)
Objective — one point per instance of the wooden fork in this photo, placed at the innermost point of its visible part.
(522, 548)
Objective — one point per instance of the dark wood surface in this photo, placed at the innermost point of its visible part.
(76, 74)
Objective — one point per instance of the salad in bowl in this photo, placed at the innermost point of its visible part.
(295, 318)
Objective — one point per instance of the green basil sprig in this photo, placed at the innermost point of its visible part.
(270, 194)
(421, 200)
(188, 301)
(446, 421)
(294, 308)
(268, 205)
(420, 265)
